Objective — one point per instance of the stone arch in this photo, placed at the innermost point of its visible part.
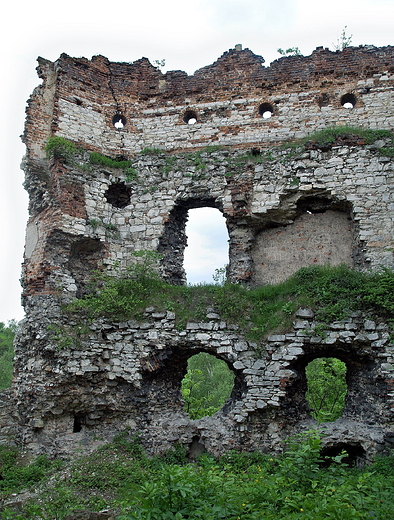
(173, 241)
(360, 403)
(313, 228)
(163, 375)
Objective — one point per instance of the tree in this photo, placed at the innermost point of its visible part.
(7, 333)
(326, 388)
(206, 386)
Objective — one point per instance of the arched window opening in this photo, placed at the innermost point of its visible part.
(207, 244)
(119, 121)
(348, 101)
(326, 388)
(190, 117)
(266, 110)
(207, 385)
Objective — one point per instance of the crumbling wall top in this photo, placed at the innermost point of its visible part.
(227, 102)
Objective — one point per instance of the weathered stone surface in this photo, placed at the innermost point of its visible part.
(330, 205)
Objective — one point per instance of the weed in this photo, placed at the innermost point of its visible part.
(292, 51)
(333, 292)
(328, 136)
(68, 336)
(247, 486)
(151, 151)
(102, 160)
(60, 148)
(131, 174)
(343, 41)
(94, 223)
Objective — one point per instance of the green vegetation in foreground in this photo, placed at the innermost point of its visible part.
(237, 486)
(7, 333)
(332, 292)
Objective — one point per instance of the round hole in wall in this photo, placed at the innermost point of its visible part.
(266, 110)
(190, 117)
(207, 385)
(348, 100)
(119, 121)
(119, 195)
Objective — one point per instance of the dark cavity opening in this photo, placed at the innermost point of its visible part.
(190, 117)
(348, 101)
(119, 195)
(266, 110)
(324, 100)
(196, 448)
(351, 454)
(207, 385)
(79, 421)
(119, 121)
(84, 257)
(326, 388)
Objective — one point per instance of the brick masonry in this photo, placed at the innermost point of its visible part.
(322, 206)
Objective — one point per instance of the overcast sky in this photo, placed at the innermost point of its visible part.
(188, 35)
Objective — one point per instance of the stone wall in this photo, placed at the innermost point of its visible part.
(81, 99)
(283, 211)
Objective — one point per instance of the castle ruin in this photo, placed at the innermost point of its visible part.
(329, 205)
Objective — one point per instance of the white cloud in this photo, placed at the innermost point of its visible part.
(207, 247)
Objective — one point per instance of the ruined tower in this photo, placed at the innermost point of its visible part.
(328, 205)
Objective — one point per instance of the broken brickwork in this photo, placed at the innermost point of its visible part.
(324, 205)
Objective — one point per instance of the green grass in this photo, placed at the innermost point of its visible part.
(236, 486)
(60, 148)
(102, 160)
(332, 292)
(328, 136)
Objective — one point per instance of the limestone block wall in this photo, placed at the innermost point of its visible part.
(119, 376)
(345, 194)
(283, 211)
(82, 99)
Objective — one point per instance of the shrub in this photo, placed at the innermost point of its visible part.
(60, 148)
(102, 160)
